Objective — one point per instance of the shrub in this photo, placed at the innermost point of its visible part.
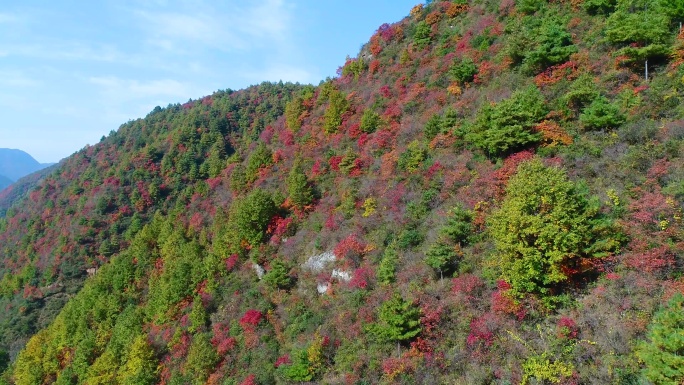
(463, 71)
(594, 7)
(529, 6)
(370, 121)
(414, 156)
(422, 34)
(553, 45)
(277, 277)
(249, 219)
(299, 370)
(601, 114)
(542, 369)
(260, 157)
(508, 126)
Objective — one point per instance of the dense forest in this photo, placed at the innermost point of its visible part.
(490, 192)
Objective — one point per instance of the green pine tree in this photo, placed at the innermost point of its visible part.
(398, 321)
(298, 188)
(277, 277)
(509, 125)
(663, 353)
(388, 265)
(442, 257)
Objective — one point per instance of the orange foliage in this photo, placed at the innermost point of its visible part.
(433, 17)
(442, 141)
(673, 287)
(398, 32)
(454, 10)
(375, 47)
(374, 66)
(553, 133)
(485, 71)
(565, 71)
(678, 52)
(417, 10)
(454, 89)
(277, 325)
(388, 164)
(576, 4)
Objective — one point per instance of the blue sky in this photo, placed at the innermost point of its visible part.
(72, 70)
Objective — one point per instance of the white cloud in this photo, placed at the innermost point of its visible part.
(226, 29)
(270, 18)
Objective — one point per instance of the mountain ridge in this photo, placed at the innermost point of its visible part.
(15, 164)
(476, 198)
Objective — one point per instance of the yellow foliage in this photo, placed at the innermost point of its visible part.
(454, 89)
(542, 369)
(370, 206)
(28, 368)
(141, 365)
(614, 198)
(103, 370)
(315, 354)
(417, 10)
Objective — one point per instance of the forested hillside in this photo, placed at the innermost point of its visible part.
(490, 192)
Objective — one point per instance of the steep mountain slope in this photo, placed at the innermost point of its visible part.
(92, 204)
(491, 192)
(15, 164)
(17, 190)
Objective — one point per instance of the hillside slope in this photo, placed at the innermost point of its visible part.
(491, 192)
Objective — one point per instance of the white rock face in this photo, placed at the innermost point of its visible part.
(317, 263)
(341, 275)
(322, 288)
(259, 270)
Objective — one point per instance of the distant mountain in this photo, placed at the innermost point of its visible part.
(4, 182)
(15, 164)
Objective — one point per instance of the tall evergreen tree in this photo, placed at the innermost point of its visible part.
(398, 321)
(663, 353)
(298, 188)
